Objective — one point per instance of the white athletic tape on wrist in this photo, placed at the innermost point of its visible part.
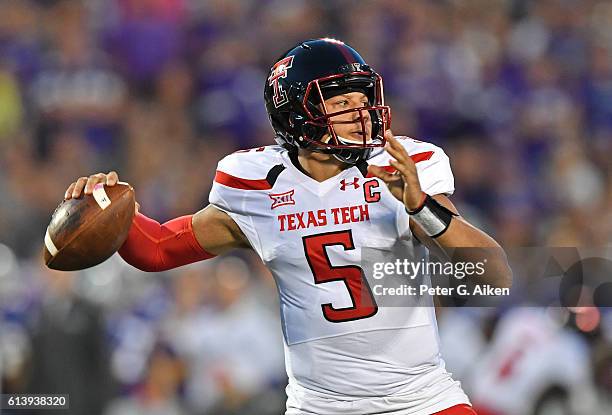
(432, 217)
(101, 197)
(431, 224)
(50, 245)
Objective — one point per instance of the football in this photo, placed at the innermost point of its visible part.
(86, 231)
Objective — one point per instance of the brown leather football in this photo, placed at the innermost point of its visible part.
(86, 231)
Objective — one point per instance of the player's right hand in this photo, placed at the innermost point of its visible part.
(85, 185)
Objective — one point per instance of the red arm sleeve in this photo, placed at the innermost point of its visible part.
(151, 246)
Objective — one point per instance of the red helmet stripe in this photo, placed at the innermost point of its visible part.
(342, 48)
(345, 52)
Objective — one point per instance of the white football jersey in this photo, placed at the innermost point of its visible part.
(343, 353)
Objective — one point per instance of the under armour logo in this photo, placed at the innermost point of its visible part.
(355, 183)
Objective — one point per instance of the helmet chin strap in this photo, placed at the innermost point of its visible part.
(326, 138)
(345, 155)
(346, 141)
(351, 156)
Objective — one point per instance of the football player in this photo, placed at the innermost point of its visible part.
(336, 182)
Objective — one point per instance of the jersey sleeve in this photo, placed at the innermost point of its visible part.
(434, 171)
(236, 191)
(432, 164)
(435, 174)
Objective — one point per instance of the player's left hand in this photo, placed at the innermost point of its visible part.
(404, 183)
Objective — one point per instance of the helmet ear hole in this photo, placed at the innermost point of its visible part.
(295, 120)
(302, 129)
(310, 131)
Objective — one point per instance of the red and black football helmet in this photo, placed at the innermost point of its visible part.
(299, 83)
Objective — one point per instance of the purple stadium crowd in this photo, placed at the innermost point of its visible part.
(517, 92)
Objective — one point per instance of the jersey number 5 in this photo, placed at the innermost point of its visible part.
(364, 305)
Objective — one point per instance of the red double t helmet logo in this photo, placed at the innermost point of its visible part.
(278, 71)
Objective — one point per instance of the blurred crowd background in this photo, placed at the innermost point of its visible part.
(517, 92)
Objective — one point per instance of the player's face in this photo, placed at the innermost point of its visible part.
(348, 126)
